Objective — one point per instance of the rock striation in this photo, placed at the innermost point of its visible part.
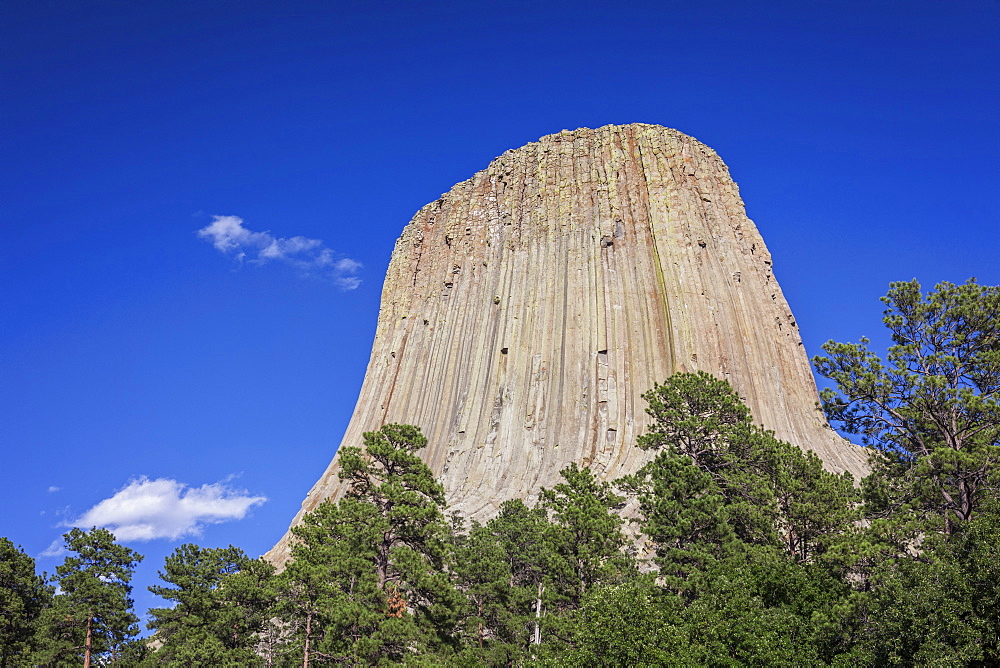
(526, 311)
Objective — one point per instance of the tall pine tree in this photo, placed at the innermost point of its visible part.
(91, 615)
(369, 580)
(23, 597)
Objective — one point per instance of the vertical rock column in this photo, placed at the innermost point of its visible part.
(526, 311)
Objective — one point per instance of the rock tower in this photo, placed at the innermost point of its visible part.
(526, 311)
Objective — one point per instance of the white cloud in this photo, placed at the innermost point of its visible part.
(347, 265)
(53, 488)
(347, 282)
(56, 548)
(148, 509)
(229, 236)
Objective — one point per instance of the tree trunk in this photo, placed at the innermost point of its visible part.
(305, 652)
(87, 645)
(538, 616)
(382, 562)
(479, 605)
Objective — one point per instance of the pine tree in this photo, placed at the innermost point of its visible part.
(701, 419)
(684, 516)
(91, 615)
(589, 535)
(930, 414)
(930, 411)
(764, 491)
(630, 624)
(488, 622)
(328, 596)
(23, 597)
(369, 580)
(743, 527)
(209, 623)
(526, 539)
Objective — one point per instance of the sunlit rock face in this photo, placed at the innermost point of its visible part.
(526, 311)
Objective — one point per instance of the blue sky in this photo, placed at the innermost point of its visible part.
(208, 378)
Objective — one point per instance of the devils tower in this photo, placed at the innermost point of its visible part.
(526, 311)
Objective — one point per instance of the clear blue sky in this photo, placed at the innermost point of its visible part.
(137, 359)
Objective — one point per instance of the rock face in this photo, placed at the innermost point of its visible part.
(526, 310)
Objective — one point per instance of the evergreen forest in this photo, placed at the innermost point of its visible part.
(728, 547)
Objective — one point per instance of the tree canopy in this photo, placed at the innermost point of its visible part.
(930, 410)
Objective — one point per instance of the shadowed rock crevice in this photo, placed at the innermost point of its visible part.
(526, 311)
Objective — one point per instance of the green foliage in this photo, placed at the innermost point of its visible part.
(407, 500)
(942, 608)
(917, 613)
(817, 511)
(762, 607)
(329, 595)
(220, 601)
(588, 546)
(368, 580)
(718, 482)
(91, 615)
(488, 625)
(756, 608)
(696, 415)
(588, 539)
(527, 571)
(684, 517)
(629, 624)
(23, 596)
(525, 540)
(750, 534)
(931, 410)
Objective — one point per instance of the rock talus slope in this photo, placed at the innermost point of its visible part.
(526, 311)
